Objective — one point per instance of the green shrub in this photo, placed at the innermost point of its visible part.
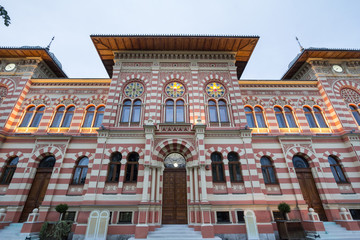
(284, 208)
(55, 230)
(61, 208)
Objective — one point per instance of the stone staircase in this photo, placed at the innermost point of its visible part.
(12, 232)
(176, 232)
(335, 231)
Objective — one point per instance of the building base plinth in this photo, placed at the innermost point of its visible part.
(207, 231)
(31, 227)
(141, 231)
(349, 225)
(313, 226)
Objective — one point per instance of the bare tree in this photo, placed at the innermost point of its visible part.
(4, 14)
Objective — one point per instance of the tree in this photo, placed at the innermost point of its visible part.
(4, 14)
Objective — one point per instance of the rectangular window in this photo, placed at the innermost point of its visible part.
(223, 217)
(125, 217)
(355, 213)
(110, 217)
(240, 216)
(69, 216)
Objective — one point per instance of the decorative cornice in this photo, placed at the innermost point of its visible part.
(172, 56)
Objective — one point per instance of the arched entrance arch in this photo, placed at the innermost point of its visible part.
(307, 185)
(175, 155)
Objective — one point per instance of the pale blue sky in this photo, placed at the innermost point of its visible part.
(317, 23)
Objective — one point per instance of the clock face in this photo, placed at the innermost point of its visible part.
(215, 90)
(337, 68)
(10, 67)
(134, 89)
(175, 89)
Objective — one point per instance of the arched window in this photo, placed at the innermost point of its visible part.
(175, 113)
(89, 120)
(114, 167)
(63, 118)
(355, 113)
(285, 118)
(80, 171)
(217, 167)
(337, 170)
(234, 167)
(47, 162)
(131, 169)
(314, 117)
(268, 170)
(131, 111)
(32, 117)
(218, 111)
(9, 170)
(300, 162)
(255, 119)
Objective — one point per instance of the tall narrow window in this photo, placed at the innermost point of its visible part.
(213, 111)
(355, 113)
(131, 169)
(290, 117)
(337, 170)
(180, 113)
(268, 170)
(114, 167)
(255, 118)
(320, 118)
(169, 111)
(80, 171)
(217, 167)
(136, 112)
(90, 120)
(309, 117)
(125, 115)
(280, 117)
(234, 167)
(9, 170)
(223, 111)
(175, 112)
(33, 117)
(63, 118)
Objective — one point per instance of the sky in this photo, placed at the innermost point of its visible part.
(317, 23)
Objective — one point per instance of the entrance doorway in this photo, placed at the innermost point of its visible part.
(38, 187)
(174, 204)
(308, 186)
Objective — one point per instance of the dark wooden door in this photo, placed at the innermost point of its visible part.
(310, 192)
(174, 205)
(37, 192)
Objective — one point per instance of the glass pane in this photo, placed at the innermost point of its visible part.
(213, 114)
(98, 119)
(89, 117)
(333, 170)
(83, 175)
(221, 177)
(37, 119)
(136, 114)
(216, 157)
(299, 162)
(233, 157)
(111, 172)
(6, 176)
(250, 120)
(235, 175)
(280, 119)
(290, 119)
(134, 157)
(67, 119)
(271, 174)
(340, 174)
(248, 109)
(26, 119)
(117, 166)
(116, 157)
(320, 118)
(260, 120)
(332, 160)
(57, 119)
(311, 120)
(223, 113)
(169, 114)
(47, 162)
(84, 161)
(355, 114)
(264, 161)
(76, 176)
(125, 116)
(14, 161)
(180, 117)
(277, 109)
(265, 175)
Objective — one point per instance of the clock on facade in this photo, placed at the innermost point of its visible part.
(175, 89)
(337, 68)
(215, 90)
(10, 67)
(134, 89)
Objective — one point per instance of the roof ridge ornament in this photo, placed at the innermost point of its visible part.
(48, 46)
(301, 47)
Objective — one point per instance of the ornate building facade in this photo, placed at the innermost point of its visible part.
(175, 136)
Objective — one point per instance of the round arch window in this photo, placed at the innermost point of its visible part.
(175, 160)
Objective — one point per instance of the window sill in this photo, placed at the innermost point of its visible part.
(273, 189)
(89, 130)
(58, 130)
(26, 129)
(259, 130)
(320, 130)
(289, 130)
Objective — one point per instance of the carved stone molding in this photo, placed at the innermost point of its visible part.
(141, 55)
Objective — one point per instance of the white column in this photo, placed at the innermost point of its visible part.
(203, 184)
(153, 183)
(158, 185)
(145, 184)
(191, 172)
(196, 180)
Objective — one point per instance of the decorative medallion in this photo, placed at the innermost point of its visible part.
(350, 95)
(175, 160)
(134, 89)
(215, 90)
(175, 89)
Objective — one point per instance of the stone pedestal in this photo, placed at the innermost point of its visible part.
(313, 224)
(347, 221)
